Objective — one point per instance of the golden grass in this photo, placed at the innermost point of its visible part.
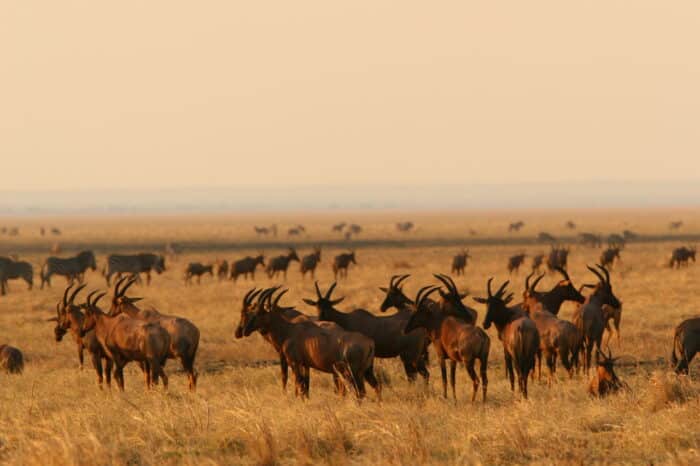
(55, 414)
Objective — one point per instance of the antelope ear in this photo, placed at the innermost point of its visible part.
(309, 302)
(133, 300)
(385, 290)
(464, 295)
(337, 301)
(52, 319)
(480, 300)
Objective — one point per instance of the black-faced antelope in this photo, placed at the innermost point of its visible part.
(309, 263)
(459, 262)
(386, 332)
(605, 382)
(551, 300)
(338, 227)
(246, 266)
(183, 335)
(452, 339)
(591, 317)
(305, 345)
(519, 335)
(341, 263)
(280, 264)
(686, 343)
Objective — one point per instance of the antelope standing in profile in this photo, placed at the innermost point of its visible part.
(452, 339)
(514, 263)
(341, 263)
(197, 269)
(686, 343)
(72, 268)
(519, 335)
(605, 382)
(459, 262)
(309, 263)
(246, 266)
(280, 264)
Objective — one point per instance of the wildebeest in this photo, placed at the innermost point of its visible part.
(280, 264)
(309, 263)
(592, 316)
(675, 225)
(69, 318)
(404, 227)
(545, 237)
(125, 339)
(514, 262)
(537, 261)
(12, 270)
(605, 382)
(72, 268)
(11, 359)
(686, 342)
(134, 264)
(305, 345)
(516, 226)
(183, 335)
(459, 262)
(681, 256)
(386, 332)
(608, 257)
(341, 263)
(197, 269)
(558, 258)
(591, 239)
(246, 266)
(453, 339)
(521, 341)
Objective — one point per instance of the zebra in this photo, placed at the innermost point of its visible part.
(10, 269)
(134, 264)
(72, 268)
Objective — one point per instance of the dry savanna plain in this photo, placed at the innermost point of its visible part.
(55, 413)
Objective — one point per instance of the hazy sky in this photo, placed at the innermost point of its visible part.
(151, 94)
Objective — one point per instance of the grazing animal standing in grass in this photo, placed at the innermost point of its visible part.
(516, 226)
(514, 262)
(387, 332)
(183, 335)
(309, 263)
(118, 264)
(222, 269)
(453, 339)
(73, 268)
(12, 270)
(246, 266)
(304, 345)
(519, 335)
(197, 269)
(341, 263)
(608, 257)
(591, 239)
(280, 264)
(537, 261)
(605, 382)
(686, 342)
(459, 262)
(557, 259)
(591, 318)
(125, 339)
(70, 318)
(11, 359)
(681, 256)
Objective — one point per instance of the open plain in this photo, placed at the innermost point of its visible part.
(55, 414)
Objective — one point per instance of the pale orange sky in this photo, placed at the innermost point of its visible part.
(151, 94)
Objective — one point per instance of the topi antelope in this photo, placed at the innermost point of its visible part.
(521, 341)
(681, 256)
(459, 262)
(605, 382)
(304, 345)
(552, 300)
(197, 269)
(134, 264)
(183, 335)
(11, 359)
(386, 332)
(309, 263)
(686, 342)
(514, 263)
(452, 339)
(592, 317)
(280, 264)
(341, 263)
(72, 268)
(246, 266)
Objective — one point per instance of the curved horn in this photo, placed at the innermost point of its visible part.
(534, 284)
(77, 290)
(126, 287)
(330, 290)
(420, 297)
(426, 295)
(263, 296)
(97, 299)
(449, 284)
(452, 285)
(527, 281)
(278, 297)
(117, 292)
(247, 298)
(401, 280)
(597, 274)
(502, 288)
(563, 272)
(488, 286)
(392, 279)
(89, 296)
(319, 295)
(65, 295)
(605, 271)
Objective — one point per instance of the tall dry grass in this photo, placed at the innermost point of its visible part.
(55, 414)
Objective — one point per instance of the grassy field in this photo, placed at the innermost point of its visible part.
(55, 414)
